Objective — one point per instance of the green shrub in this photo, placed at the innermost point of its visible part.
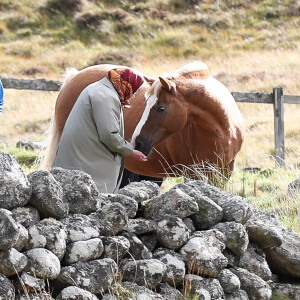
(66, 7)
(26, 158)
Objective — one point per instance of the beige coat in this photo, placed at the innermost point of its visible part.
(93, 137)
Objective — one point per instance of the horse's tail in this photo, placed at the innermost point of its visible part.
(47, 156)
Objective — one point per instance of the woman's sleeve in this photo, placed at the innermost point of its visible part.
(107, 120)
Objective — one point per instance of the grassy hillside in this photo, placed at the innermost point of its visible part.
(55, 34)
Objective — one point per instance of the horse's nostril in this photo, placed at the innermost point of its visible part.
(138, 145)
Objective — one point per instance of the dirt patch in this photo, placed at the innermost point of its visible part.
(118, 58)
(35, 71)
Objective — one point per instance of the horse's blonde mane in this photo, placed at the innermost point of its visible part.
(68, 75)
(195, 69)
(154, 89)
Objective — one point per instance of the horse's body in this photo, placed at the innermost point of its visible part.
(202, 124)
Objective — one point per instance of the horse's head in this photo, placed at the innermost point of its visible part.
(165, 113)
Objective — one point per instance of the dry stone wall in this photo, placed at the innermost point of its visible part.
(61, 239)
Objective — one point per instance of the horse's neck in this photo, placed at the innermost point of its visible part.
(209, 106)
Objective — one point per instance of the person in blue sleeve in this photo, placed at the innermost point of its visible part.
(1, 97)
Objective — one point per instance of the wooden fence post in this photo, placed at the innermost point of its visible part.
(279, 125)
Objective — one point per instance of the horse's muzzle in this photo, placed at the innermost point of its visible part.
(143, 145)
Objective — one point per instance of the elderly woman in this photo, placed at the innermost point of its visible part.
(93, 136)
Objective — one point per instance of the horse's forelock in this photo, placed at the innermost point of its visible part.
(154, 89)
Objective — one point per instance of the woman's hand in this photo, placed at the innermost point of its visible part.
(137, 155)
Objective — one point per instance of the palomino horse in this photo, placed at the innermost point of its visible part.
(189, 118)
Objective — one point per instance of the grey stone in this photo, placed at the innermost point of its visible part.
(189, 224)
(12, 262)
(205, 288)
(31, 145)
(169, 293)
(149, 240)
(115, 247)
(9, 230)
(94, 276)
(203, 253)
(214, 288)
(285, 259)
(229, 281)
(233, 260)
(15, 188)
(29, 283)
(109, 297)
(42, 263)
(140, 226)
(209, 212)
(23, 238)
(80, 228)
(281, 245)
(140, 292)
(129, 203)
(47, 195)
(7, 290)
(285, 290)
(236, 237)
(175, 266)
(83, 251)
(50, 234)
(294, 187)
(202, 294)
(235, 208)
(79, 190)
(256, 288)
(111, 218)
(137, 249)
(172, 233)
(141, 191)
(174, 202)
(264, 229)
(73, 292)
(148, 272)
(26, 216)
(237, 295)
(35, 296)
(254, 260)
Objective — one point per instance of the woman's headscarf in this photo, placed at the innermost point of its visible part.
(126, 83)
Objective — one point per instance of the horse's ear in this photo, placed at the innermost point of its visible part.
(167, 84)
(149, 79)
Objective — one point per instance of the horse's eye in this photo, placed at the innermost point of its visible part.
(161, 109)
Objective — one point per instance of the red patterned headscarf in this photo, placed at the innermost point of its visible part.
(126, 83)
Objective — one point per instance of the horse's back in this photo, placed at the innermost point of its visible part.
(233, 124)
(72, 89)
